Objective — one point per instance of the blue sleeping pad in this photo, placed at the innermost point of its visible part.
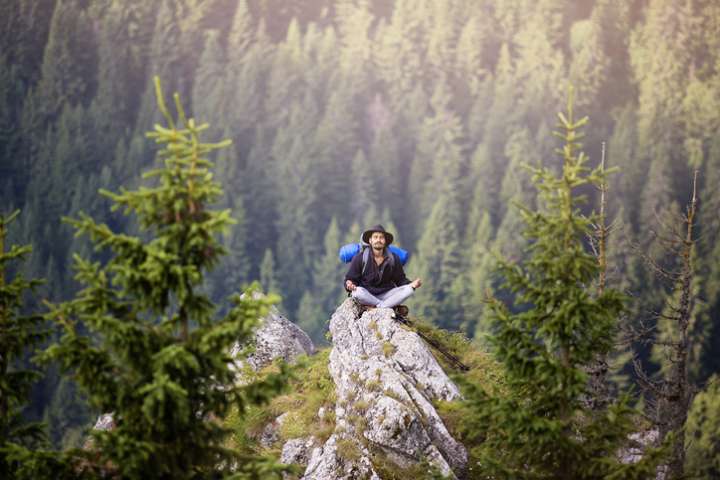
(347, 252)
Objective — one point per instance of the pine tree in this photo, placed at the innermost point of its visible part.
(158, 357)
(703, 444)
(68, 416)
(439, 147)
(471, 52)
(384, 156)
(298, 243)
(19, 334)
(539, 429)
(327, 291)
(438, 250)
(539, 70)
(310, 317)
(478, 278)
(260, 196)
(673, 393)
(589, 64)
(268, 278)
(210, 91)
(363, 187)
(69, 59)
(516, 189)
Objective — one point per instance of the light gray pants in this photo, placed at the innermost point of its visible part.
(389, 299)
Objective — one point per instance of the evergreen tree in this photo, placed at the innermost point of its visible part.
(261, 196)
(68, 417)
(589, 65)
(69, 59)
(471, 52)
(439, 148)
(363, 187)
(438, 250)
(327, 291)
(703, 444)
(384, 156)
(672, 394)
(539, 429)
(158, 357)
(298, 244)
(309, 317)
(234, 271)
(210, 92)
(19, 334)
(268, 278)
(478, 279)
(516, 189)
(539, 69)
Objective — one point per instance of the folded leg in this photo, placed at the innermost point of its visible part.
(395, 297)
(365, 297)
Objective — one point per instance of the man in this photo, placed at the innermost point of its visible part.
(382, 283)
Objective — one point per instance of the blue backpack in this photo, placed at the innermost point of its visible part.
(347, 252)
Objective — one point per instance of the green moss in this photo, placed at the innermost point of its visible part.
(361, 406)
(388, 349)
(311, 389)
(373, 385)
(359, 422)
(392, 394)
(389, 470)
(348, 450)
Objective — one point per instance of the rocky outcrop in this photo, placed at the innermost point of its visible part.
(275, 337)
(385, 379)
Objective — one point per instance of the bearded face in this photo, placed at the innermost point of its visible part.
(377, 241)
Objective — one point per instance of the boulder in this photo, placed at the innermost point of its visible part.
(275, 337)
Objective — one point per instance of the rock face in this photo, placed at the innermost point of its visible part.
(276, 337)
(385, 379)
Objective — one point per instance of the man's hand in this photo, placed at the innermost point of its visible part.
(350, 286)
(416, 283)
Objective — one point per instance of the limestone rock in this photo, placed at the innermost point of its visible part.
(270, 434)
(385, 379)
(105, 422)
(298, 450)
(275, 337)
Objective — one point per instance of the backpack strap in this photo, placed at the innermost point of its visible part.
(365, 258)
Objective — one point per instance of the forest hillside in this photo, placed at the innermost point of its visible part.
(420, 115)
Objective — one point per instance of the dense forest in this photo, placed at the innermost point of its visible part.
(417, 114)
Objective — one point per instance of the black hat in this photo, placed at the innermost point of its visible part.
(377, 228)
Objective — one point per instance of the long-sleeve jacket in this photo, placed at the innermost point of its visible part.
(377, 279)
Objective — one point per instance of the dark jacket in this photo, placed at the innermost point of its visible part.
(377, 279)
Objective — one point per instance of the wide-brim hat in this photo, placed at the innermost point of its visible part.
(377, 228)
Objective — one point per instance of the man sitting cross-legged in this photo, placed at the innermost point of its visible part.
(382, 281)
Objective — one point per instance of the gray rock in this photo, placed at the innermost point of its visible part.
(271, 433)
(642, 441)
(298, 450)
(105, 422)
(275, 337)
(332, 462)
(385, 379)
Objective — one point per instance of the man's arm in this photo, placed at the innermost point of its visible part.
(354, 273)
(401, 279)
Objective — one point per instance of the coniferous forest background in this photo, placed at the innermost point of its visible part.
(417, 114)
